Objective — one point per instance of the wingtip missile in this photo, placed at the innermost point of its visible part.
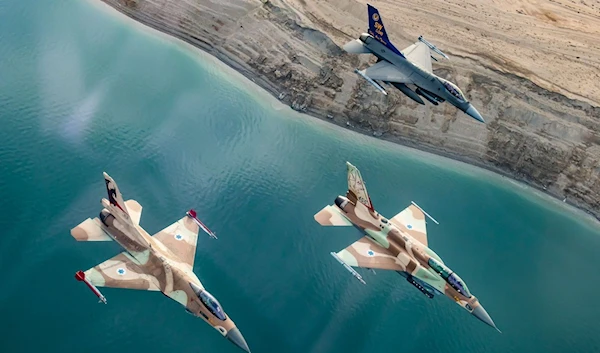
(80, 276)
(370, 80)
(433, 47)
(347, 267)
(193, 215)
(425, 213)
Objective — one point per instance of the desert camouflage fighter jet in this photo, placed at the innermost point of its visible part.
(398, 244)
(411, 65)
(162, 262)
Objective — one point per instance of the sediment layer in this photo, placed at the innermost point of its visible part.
(531, 68)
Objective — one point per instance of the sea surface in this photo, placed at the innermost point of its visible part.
(85, 90)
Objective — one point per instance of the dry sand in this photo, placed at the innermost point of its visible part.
(530, 67)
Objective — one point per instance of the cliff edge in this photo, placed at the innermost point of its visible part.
(531, 68)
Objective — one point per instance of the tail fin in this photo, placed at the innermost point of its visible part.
(114, 196)
(357, 186)
(377, 30)
(118, 207)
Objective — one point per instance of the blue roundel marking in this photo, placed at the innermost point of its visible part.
(121, 271)
(409, 226)
(371, 253)
(178, 237)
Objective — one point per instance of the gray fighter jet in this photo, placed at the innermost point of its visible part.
(409, 66)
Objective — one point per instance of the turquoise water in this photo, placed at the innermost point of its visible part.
(84, 91)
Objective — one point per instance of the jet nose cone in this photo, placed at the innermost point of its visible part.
(480, 313)
(236, 338)
(473, 113)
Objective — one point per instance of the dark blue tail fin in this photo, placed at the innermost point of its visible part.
(377, 30)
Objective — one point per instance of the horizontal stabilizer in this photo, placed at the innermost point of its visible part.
(90, 230)
(331, 216)
(356, 47)
(135, 210)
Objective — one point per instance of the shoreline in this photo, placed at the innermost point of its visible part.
(241, 67)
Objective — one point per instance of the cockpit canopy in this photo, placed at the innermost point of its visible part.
(210, 302)
(452, 278)
(212, 305)
(454, 90)
(439, 268)
(458, 284)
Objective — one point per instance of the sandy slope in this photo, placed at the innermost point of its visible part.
(530, 67)
(556, 44)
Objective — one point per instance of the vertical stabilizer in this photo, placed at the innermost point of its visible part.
(118, 208)
(357, 186)
(377, 30)
(114, 196)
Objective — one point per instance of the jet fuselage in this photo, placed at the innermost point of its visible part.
(427, 81)
(417, 260)
(175, 280)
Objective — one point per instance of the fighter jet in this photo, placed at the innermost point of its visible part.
(409, 66)
(398, 244)
(162, 262)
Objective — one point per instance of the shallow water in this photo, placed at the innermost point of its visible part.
(83, 90)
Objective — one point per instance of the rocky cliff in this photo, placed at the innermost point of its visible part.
(542, 123)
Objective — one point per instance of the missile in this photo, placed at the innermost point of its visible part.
(375, 84)
(347, 267)
(429, 96)
(425, 213)
(192, 214)
(408, 92)
(433, 47)
(80, 276)
(419, 285)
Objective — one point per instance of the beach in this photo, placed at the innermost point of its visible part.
(530, 68)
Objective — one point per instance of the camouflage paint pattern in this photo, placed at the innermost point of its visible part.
(398, 244)
(163, 262)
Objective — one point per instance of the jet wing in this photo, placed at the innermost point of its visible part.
(412, 221)
(90, 230)
(420, 55)
(122, 271)
(181, 238)
(387, 72)
(367, 253)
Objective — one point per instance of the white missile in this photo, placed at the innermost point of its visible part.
(426, 214)
(191, 213)
(375, 84)
(347, 267)
(433, 47)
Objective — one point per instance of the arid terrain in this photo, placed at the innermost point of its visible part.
(532, 68)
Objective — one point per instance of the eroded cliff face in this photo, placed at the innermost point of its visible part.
(532, 133)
